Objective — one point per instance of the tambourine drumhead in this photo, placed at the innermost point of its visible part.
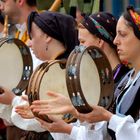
(89, 78)
(53, 80)
(16, 65)
(49, 78)
(11, 65)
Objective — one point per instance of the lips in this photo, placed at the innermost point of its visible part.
(118, 51)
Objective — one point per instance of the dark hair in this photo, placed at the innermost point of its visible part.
(1, 19)
(32, 2)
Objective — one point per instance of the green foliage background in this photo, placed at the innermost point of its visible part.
(86, 7)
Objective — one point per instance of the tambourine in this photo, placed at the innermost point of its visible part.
(89, 78)
(16, 65)
(49, 76)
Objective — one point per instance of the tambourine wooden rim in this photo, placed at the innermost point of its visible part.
(32, 81)
(73, 82)
(34, 94)
(27, 63)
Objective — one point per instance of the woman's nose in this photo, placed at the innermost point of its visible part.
(115, 41)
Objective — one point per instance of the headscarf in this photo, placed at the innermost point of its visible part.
(135, 20)
(101, 24)
(59, 26)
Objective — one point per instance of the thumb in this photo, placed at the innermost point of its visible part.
(51, 117)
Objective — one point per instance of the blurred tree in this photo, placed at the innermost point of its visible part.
(44, 4)
(68, 6)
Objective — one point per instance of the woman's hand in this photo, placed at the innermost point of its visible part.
(57, 125)
(24, 111)
(96, 115)
(58, 104)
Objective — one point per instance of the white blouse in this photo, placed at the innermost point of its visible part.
(125, 127)
(85, 131)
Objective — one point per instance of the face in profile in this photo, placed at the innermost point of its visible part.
(38, 42)
(128, 45)
(87, 39)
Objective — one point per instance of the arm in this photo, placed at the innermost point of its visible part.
(96, 115)
(75, 131)
(61, 130)
(24, 110)
(25, 124)
(125, 127)
(6, 97)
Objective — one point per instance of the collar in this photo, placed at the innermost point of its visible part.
(21, 27)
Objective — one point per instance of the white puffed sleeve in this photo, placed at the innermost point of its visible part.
(5, 113)
(125, 127)
(85, 131)
(24, 124)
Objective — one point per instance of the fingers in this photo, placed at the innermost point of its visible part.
(43, 102)
(24, 113)
(41, 111)
(49, 126)
(52, 94)
(37, 108)
(44, 124)
(26, 116)
(22, 107)
(49, 112)
(21, 112)
(54, 119)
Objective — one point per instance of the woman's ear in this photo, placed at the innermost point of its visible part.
(101, 43)
(20, 2)
(48, 39)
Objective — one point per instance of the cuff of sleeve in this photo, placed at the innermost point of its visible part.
(74, 132)
(114, 122)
